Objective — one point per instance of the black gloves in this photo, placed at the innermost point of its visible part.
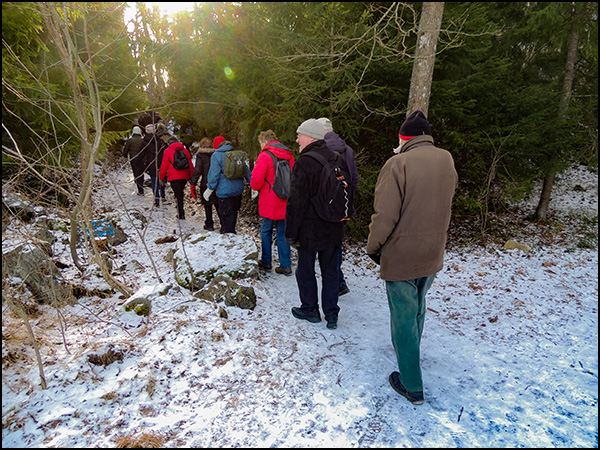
(375, 257)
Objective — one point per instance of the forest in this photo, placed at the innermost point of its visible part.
(513, 93)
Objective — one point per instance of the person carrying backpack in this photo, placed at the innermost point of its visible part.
(271, 207)
(229, 191)
(177, 175)
(311, 235)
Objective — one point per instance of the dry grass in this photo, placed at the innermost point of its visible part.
(143, 440)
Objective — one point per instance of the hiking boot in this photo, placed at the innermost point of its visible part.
(331, 322)
(283, 271)
(209, 228)
(311, 316)
(262, 265)
(343, 289)
(415, 397)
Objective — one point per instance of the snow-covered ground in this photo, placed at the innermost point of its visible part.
(509, 354)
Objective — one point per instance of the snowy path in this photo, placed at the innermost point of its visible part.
(509, 359)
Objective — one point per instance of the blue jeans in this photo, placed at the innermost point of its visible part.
(407, 304)
(283, 248)
(157, 189)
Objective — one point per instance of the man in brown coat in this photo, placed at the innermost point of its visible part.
(407, 237)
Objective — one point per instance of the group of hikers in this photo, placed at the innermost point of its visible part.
(407, 233)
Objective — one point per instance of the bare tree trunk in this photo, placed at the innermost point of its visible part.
(422, 73)
(569, 75)
(86, 105)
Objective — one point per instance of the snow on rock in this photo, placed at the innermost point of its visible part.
(198, 258)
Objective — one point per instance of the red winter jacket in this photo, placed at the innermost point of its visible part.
(167, 169)
(263, 176)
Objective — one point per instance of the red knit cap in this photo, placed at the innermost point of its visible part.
(218, 141)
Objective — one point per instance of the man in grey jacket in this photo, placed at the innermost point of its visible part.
(407, 237)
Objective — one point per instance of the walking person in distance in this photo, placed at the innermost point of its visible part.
(204, 153)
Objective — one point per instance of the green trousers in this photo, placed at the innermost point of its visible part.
(407, 315)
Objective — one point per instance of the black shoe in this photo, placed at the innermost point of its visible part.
(209, 228)
(311, 316)
(262, 265)
(343, 289)
(331, 322)
(283, 271)
(415, 397)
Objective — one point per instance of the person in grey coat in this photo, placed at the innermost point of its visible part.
(337, 144)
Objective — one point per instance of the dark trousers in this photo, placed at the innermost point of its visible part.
(228, 212)
(208, 222)
(307, 280)
(138, 175)
(341, 280)
(178, 186)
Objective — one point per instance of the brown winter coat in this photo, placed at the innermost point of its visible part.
(413, 199)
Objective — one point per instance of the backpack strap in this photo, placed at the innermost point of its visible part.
(318, 157)
(274, 158)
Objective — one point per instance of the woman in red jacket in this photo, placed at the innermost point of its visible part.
(177, 177)
(270, 207)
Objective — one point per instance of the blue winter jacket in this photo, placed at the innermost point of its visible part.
(223, 186)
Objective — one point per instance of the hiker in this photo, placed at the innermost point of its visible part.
(337, 144)
(312, 236)
(270, 206)
(229, 191)
(407, 237)
(133, 150)
(153, 154)
(204, 152)
(176, 177)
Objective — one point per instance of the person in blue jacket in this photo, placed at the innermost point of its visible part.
(229, 192)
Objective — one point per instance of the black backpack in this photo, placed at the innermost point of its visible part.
(180, 160)
(283, 176)
(335, 196)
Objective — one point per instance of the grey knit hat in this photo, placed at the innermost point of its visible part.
(312, 128)
(136, 130)
(326, 123)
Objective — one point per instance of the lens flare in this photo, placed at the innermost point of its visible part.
(228, 72)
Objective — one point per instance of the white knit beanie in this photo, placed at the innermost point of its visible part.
(137, 130)
(312, 128)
